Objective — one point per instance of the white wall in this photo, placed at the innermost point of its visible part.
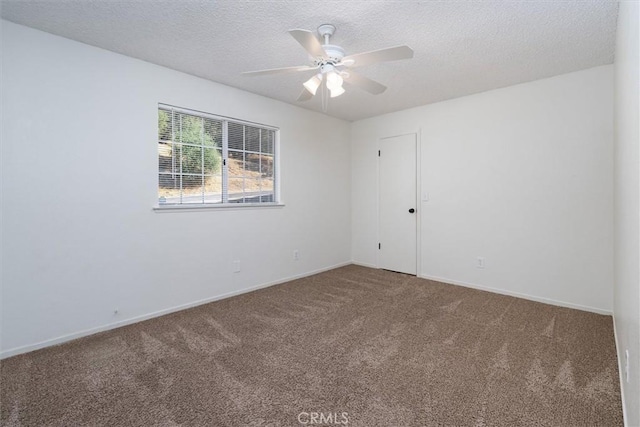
(79, 165)
(521, 176)
(626, 304)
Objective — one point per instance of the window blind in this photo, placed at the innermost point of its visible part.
(205, 159)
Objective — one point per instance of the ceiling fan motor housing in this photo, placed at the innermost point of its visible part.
(334, 53)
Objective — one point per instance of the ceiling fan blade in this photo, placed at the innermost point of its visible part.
(304, 96)
(364, 83)
(279, 70)
(309, 42)
(382, 55)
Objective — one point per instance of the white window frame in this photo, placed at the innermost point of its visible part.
(277, 202)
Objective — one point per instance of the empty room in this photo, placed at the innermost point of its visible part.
(320, 213)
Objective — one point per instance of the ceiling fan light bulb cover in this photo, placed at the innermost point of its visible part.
(336, 92)
(313, 84)
(334, 81)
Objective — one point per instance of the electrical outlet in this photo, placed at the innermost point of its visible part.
(236, 266)
(626, 365)
(480, 262)
(296, 255)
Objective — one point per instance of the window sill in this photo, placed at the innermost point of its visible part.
(230, 206)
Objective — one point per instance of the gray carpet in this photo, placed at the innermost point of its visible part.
(372, 347)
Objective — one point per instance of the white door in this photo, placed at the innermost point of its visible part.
(397, 208)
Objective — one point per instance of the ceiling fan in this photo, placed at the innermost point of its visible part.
(333, 67)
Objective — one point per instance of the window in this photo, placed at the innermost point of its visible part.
(209, 160)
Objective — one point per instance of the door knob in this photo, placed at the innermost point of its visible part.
(412, 210)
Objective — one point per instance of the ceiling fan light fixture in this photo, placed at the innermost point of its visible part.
(336, 92)
(334, 81)
(313, 83)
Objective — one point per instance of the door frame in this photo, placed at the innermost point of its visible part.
(418, 138)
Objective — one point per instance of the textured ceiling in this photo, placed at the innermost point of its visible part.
(460, 47)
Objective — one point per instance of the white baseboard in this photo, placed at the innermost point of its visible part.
(69, 337)
(620, 374)
(519, 295)
(364, 264)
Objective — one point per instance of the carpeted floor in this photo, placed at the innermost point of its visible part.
(370, 347)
